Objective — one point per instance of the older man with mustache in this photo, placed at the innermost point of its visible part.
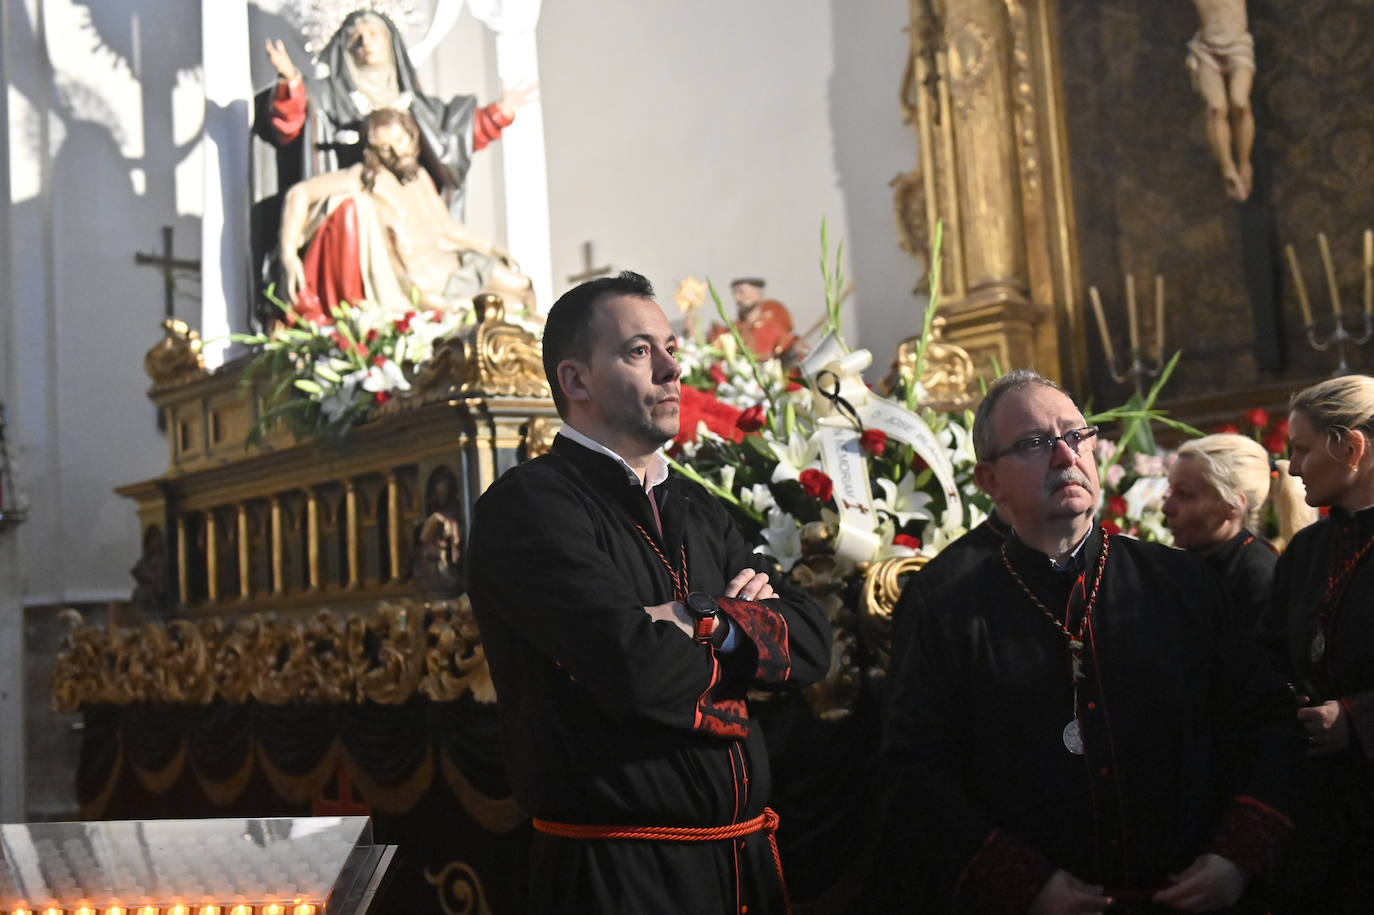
(1077, 723)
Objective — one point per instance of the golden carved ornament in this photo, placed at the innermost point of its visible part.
(493, 358)
(389, 655)
(176, 358)
(948, 376)
(459, 889)
(539, 435)
(882, 588)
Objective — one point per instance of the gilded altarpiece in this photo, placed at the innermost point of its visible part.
(1063, 146)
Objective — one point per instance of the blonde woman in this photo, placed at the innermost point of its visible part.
(1218, 490)
(1319, 629)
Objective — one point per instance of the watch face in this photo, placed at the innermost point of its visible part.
(701, 603)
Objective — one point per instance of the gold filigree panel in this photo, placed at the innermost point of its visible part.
(390, 655)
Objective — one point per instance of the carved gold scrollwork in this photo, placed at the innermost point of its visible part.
(459, 889)
(393, 653)
(493, 358)
(176, 358)
(539, 435)
(1023, 93)
(948, 376)
(882, 588)
(970, 57)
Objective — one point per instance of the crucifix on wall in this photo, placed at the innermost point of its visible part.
(589, 272)
(169, 265)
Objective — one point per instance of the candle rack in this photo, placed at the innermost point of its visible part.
(1340, 337)
(1143, 366)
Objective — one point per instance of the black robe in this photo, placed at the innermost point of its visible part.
(612, 719)
(1334, 844)
(1246, 566)
(973, 746)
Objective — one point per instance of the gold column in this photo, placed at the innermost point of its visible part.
(351, 530)
(983, 89)
(211, 557)
(312, 537)
(278, 562)
(183, 563)
(245, 577)
(393, 523)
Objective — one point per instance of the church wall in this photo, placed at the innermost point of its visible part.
(709, 139)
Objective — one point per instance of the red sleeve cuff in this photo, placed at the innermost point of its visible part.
(1004, 876)
(1251, 834)
(767, 629)
(488, 124)
(288, 109)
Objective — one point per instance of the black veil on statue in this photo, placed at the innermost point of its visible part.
(332, 140)
(445, 128)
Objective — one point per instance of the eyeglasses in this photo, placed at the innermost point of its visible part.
(1040, 445)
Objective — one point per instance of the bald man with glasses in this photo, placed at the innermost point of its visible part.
(1077, 723)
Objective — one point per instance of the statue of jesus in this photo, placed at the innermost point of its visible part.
(1221, 59)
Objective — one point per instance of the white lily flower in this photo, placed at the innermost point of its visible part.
(939, 536)
(385, 377)
(758, 497)
(795, 455)
(1145, 494)
(960, 442)
(727, 477)
(902, 501)
(782, 539)
(338, 400)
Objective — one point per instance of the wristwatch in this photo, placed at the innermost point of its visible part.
(703, 608)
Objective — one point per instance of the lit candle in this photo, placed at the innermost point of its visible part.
(274, 909)
(305, 909)
(1369, 271)
(1330, 276)
(209, 910)
(116, 910)
(1102, 325)
(241, 910)
(1131, 317)
(179, 909)
(1159, 315)
(1301, 286)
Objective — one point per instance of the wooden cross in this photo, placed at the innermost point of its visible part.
(588, 271)
(169, 265)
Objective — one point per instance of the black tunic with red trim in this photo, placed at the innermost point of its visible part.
(1335, 840)
(610, 718)
(1187, 735)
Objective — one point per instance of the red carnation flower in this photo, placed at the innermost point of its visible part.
(382, 397)
(919, 464)
(816, 484)
(1116, 505)
(403, 324)
(1276, 443)
(1258, 417)
(379, 361)
(372, 335)
(718, 374)
(752, 419)
(873, 441)
(1111, 527)
(908, 541)
(1228, 427)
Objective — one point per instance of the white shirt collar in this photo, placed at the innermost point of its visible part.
(658, 464)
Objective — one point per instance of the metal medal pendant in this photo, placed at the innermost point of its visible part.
(1318, 646)
(1073, 738)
